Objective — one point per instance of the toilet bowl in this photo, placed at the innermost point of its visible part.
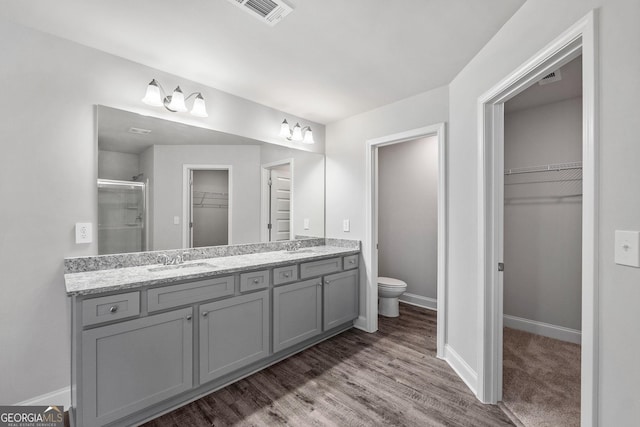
(389, 290)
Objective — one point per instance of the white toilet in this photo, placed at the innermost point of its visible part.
(389, 290)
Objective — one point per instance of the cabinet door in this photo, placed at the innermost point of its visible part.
(296, 313)
(233, 333)
(130, 365)
(340, 298)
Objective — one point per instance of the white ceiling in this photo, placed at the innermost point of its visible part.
(327, 60)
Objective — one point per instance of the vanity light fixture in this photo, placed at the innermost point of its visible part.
(304, 134)
(157, 97)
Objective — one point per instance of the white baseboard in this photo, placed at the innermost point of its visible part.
(464, 371)
(545, 329)
(56, 397)
(420, 301)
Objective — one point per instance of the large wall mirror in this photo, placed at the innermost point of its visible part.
(166, 185)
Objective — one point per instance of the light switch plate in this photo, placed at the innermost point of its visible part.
(627, 250)
(346, 225)
(306, 223)
(176, 220)
(84, 233)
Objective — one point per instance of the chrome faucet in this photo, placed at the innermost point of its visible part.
(294, 245)
(173, 260)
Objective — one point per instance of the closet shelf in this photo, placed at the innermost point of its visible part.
(544, 168)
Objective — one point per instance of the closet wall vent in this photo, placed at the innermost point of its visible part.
(268, 11)
(555, 76)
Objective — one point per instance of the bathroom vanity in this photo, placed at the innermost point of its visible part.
(148, 338)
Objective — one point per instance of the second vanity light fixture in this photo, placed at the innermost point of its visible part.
(296, 134)
(157, 97)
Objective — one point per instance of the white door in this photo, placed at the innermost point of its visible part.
(279, 204)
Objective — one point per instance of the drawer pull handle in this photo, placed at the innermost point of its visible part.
(205, 313)
(352, 261)
(113, 309)
(286, 274)
(256, 281)
(188, 317)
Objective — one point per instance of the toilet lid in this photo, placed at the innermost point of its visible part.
(388, 281)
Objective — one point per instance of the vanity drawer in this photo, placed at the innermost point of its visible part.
(285, 274)
(112, 307)
(350, 262)
(254, 280)
(319, 268)
(188, 293)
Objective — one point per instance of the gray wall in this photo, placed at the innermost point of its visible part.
(542, 232)
(49, 126)
(168, 189)
(119, 166)
(408, 215)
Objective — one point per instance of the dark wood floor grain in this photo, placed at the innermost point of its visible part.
(391, 377)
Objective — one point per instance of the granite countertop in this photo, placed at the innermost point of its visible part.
(95, 282)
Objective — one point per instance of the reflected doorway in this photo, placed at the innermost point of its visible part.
(207, 206)
(277, 201)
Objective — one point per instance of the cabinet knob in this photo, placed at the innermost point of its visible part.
(205, 313)
(256, 281)
(188, 317)
(326, 282)
(113, 308)
(352, 261)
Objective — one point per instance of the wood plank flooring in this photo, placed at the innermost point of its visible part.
(391, 377)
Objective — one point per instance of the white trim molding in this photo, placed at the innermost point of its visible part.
(56, 397)
(464, 371)
(369, 244)
(545, 329)
(420, 301)
(580, 39)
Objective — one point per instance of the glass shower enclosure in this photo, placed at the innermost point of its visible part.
(122, 218)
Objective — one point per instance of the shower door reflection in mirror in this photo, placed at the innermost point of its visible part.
(121, 216)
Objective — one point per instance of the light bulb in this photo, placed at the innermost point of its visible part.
(199, 108)
(153, 97)
(308, 137)
(285, 131)
(297, 133)
(177, 101)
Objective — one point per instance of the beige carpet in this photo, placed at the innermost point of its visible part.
(541, 380)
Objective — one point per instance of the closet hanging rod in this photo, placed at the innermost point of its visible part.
(545, 168)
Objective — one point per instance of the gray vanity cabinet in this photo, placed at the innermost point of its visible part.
(340, 298)
(131, 365)
(297, 313)
(233, 333)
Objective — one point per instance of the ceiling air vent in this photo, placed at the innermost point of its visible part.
(268, 11)
(556, 76)
(139, 131)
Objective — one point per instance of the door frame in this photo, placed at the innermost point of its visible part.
(369, 322)
(264, 197)
(186, 199)
(578, 39)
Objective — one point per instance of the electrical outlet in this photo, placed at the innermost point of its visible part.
(346, 225)
(306, 223)
(176, 220)
(627, 249)
(84, 232)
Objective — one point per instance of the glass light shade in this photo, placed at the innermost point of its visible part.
(285, 131)
(177, 101)
(199, 108)
(308, 137)
(153, 97)
(297, 133)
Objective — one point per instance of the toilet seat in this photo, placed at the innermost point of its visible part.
(389, 282)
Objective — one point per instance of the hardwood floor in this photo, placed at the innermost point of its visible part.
(391, 377)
